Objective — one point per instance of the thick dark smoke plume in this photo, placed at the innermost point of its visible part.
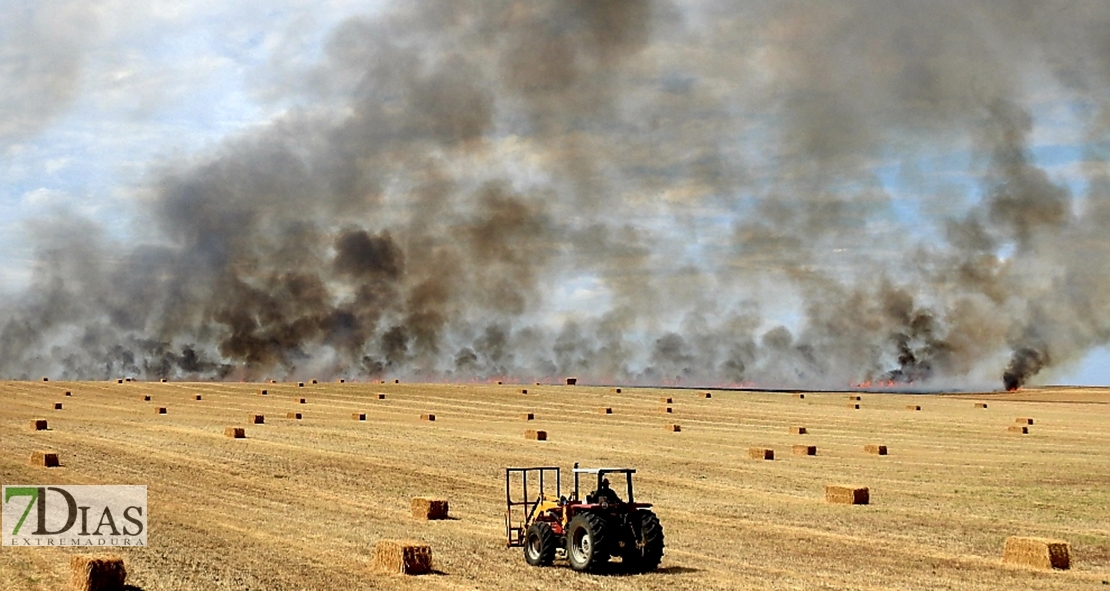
(776, 193)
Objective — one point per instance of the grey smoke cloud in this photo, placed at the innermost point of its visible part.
(713, 168)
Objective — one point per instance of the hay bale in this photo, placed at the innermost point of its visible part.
(616, 390)
(708, 394)
(847, 495)
(572, 381)
(535, 435)
(1023, 421)
(57, 406)
(672, 428)
(980, 405)
(396, 381)
(875, 449)
(199, 397)
(146, 398)
(667, 409)
(499, 383)
(45, 379)
(1018, 429)
(913, 407)
(263, 392)
(1041, 553)
(804, 450)
(100, 572)
(854, 397)
(341, 381)
(427, 508)
(666, 400)
(381, 396)
(293, 415)
(163, 380)
(358, 416)
(68, 393)
(314, 381)
(855, 406)
(47, 459)
(273, 381)
(256, 419)
(235, 432)
(605, 410)
(799, 395)
(523, 390)
(38, 425)
(798, 430)
(303, 401)
(761, 453)
(119, 381)
(427, 417)
(161, 410)
(404, 557)
(528, 416)
(300, 384)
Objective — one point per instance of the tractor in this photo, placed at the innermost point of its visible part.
(586, 531)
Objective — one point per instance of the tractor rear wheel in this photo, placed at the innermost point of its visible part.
(586, 544)
(539, 544)
(645, 555)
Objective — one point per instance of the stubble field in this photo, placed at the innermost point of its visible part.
(300, 503)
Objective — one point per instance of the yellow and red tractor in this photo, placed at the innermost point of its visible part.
(585, 530)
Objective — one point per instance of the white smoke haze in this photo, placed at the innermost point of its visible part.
(780, 194)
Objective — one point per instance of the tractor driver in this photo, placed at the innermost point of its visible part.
(606, 494)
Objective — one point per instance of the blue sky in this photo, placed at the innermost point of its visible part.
(122, 92)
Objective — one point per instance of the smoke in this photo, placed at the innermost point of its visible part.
(783, 194)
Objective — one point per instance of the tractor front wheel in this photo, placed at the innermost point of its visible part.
(644, 555)
(539, 544)
(586, 549)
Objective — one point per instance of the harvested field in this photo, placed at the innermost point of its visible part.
(301, 505)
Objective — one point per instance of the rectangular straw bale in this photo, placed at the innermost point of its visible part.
(313, 381)
(263, 392)
(980, 405)
(38, 425)
(57, 406)
(45, 379)
(68, 393)
(855, 397)
(666, 400)
(798, 430)
(358, 416)
(293, 415)
(119, 381)
(799, 395)
(672, 428)
(708, 394)
(855, 406)
(404, 557)
(500, 383)
(536, 435)
(341, 381)
(528, 416)
(605, 410)
(300, 384)
(256, 419)
(875, 449)
(616, 390)
(199, 397)
(805, 450)
(847, 495)
(381, 396)
(429, 508)
(163, 380)
(146, 398)
(396, 381)
(1018, 429)
(572, 381)
(235, 432)
(101, 572)
(913, 407)
(427, 417)
(523, 390)
(161, 410)
(761, 453)
(47, 459)
(1023, 421)
(1040, 553)
(667, 409)
(303, 401)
